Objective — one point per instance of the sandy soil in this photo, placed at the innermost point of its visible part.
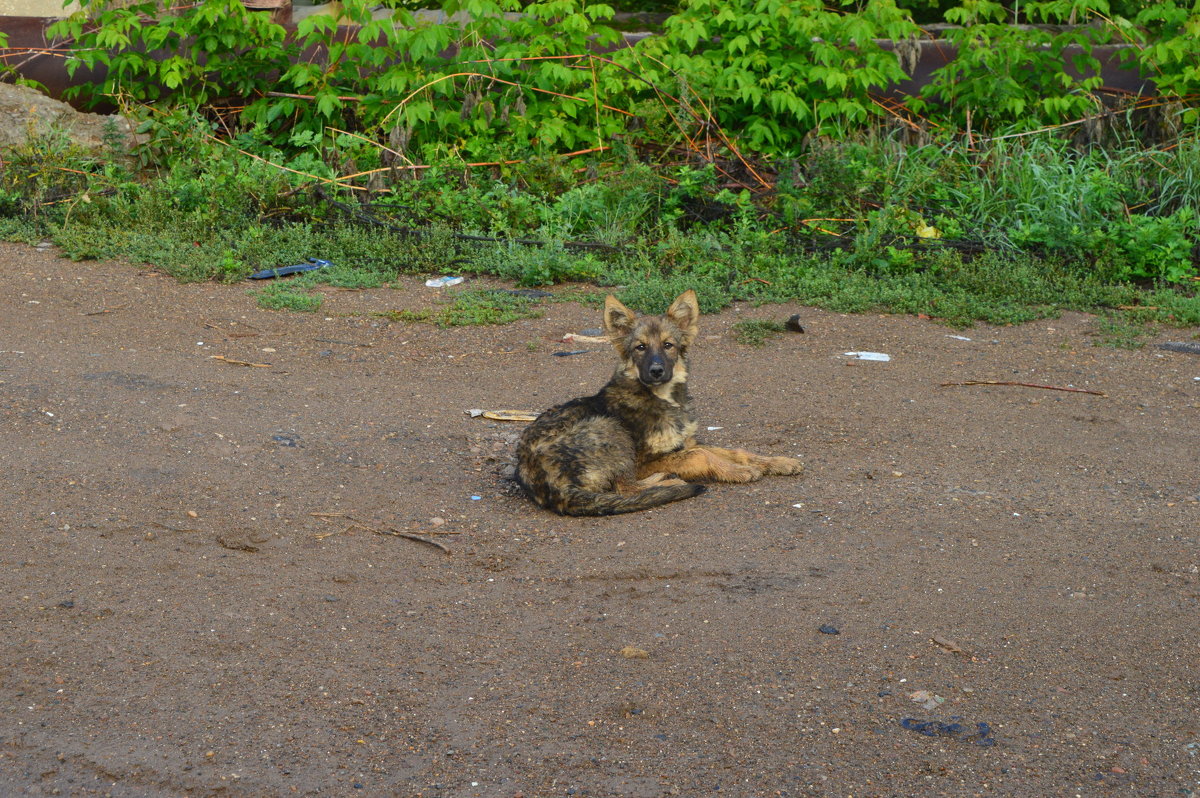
(198, 597)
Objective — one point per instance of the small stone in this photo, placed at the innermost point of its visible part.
(793, 324)
(633, 652)
(437, 520)
(829, 629)
(193, 514)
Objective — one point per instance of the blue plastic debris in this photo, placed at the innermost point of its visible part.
(981, 736)
(309, 265)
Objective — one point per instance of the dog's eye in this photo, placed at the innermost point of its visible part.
(668, 345)
(640, 347)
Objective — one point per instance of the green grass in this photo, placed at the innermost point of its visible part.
(1029, 227)
(288, 295)
(473, 307)
(1118, 332)
(756, 332)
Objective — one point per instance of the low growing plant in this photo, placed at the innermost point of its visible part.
(473, 307)
(288, 296)
(756, 332)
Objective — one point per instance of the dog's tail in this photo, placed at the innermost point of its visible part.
(576, 501)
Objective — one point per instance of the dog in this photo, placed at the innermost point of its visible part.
(633, 445)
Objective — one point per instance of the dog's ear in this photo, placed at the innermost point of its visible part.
(684, 313)
(618, 319)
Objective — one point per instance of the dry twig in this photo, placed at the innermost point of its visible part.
(1025, 385)
(233, 362)
(418, 538)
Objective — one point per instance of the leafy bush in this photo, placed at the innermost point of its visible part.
(528, 80)
(1006, 75)
(195, 53)
(509, 79)
(1149, 247)
(1172, 56)
(773, 70)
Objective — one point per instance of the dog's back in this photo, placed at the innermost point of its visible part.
(580, 459)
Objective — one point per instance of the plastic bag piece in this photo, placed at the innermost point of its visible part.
(312, 264)
(982, 736)
(1186, 347)
(878, 357)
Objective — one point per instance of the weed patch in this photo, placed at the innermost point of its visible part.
(469, 308)
(756, 332)
(1015, 231)
(288, 296)
(1120, 333)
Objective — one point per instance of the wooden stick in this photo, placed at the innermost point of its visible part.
(1025, 385)
(418, 538)
(233, 362)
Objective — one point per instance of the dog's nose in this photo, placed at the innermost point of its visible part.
(657, 370)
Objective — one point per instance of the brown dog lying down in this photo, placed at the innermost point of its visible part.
(632, 446)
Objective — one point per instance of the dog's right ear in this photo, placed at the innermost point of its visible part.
(618, 319)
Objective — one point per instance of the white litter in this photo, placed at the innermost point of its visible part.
(878, 357)
(443, 282)
(576, 338)
(959, 337)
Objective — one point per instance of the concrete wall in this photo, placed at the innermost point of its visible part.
(35, 8)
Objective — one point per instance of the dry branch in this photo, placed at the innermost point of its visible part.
(1025, 385)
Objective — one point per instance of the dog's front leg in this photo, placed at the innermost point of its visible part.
(768, 465)
(702, 463)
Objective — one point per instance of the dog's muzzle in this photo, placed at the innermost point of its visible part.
(655, 372)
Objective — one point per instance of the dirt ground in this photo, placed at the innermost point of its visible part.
(198, 595)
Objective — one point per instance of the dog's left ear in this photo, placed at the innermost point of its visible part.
(618, 319)
(684, 313)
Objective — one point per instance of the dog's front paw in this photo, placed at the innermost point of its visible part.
(740, 473)
(783, 465)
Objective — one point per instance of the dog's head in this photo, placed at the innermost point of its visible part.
(652, 348)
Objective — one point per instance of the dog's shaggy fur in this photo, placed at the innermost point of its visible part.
(632, 446)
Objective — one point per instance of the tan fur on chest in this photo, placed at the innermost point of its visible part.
(668, 437)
